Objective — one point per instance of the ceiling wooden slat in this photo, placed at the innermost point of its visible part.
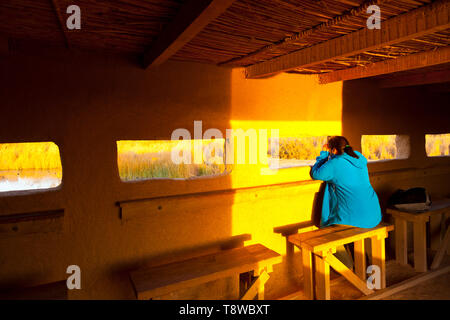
(414, 61)
(192, 18)
(414, 24)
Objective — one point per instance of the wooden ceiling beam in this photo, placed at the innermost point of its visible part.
(190, 20)
(409, 62)
(416, 23)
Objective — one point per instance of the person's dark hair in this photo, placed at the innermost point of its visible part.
(341, 145)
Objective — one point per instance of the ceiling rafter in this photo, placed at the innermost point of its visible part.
(409, 62)
(190, 20)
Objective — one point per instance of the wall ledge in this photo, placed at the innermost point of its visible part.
(412, 172)
(31, 222)
(132, 209)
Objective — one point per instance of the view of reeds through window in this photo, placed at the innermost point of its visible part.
(141, 160)
(295, 151)
(25, 166)
(385, 147)
(437, 145)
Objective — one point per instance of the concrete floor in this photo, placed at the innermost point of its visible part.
(437, 288)
(434, 289)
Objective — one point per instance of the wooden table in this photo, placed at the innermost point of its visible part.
(419, 221)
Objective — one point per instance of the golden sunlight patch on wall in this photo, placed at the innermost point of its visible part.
(29, 166)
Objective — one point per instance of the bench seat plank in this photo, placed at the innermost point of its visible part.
(300, 237)
(163, 279)
(336, 236)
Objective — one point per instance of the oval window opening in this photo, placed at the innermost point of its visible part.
(437, 145)
(170, 159)
(385, 147)
(29, 166)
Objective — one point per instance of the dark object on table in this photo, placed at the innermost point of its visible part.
(411, 200)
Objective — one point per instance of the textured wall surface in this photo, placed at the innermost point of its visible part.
(86, 103)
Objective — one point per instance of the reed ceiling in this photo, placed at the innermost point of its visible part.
(248, 32)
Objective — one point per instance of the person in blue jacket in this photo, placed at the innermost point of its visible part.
(349, 198)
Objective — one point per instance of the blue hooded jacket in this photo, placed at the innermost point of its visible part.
(349, 198)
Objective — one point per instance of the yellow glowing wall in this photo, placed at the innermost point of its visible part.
(296, 106)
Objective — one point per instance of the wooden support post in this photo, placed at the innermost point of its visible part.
(322, 274)
(401, 241)
(308, 285)
(420, 246)
(360, 259)
(289, 251)
(441, 252)
(435, 231)
(379, 257)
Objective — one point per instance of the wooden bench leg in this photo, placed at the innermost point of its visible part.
(337, 265)
(257, 287)
(379, 257)
(401, 241)
(261, 290)
(289, 256)
(307, 274)
(322, 274)
(420, 246)
(436, 222)
(441, 252)
(360, 259)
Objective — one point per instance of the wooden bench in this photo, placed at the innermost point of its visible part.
(419, 221)
(160, 280)
(322, 243)
(49, 291)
